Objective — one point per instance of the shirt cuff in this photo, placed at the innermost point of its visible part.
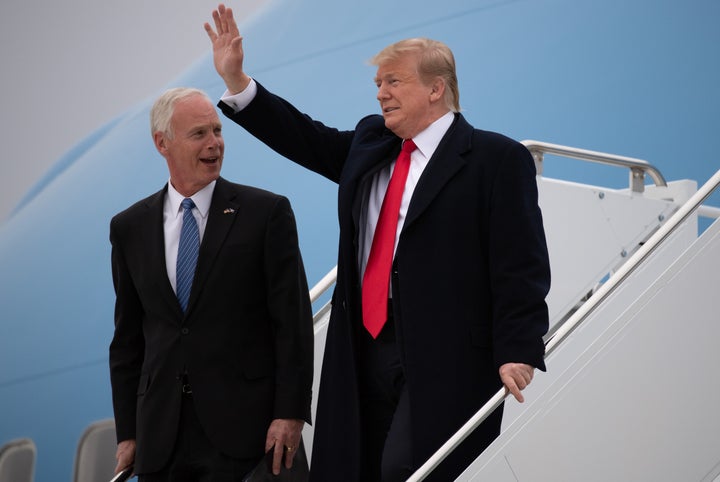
(240, 100)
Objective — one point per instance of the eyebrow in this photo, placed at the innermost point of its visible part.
(386, 75)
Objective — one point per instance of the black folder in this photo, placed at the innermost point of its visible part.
(299, 472)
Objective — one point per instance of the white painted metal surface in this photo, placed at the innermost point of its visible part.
(628, 406)
(320, 323)
(591, 231)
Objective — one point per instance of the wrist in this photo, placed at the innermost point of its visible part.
(235, 86)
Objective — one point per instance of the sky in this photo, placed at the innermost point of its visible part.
(69, 67)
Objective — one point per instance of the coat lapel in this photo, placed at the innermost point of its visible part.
(368, 161)
(444, 164)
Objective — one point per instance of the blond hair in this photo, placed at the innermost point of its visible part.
(435, 59)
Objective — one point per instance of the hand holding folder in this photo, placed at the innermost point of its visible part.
(299, 472)
(123, 475)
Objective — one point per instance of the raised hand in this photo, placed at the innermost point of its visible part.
(228, 52)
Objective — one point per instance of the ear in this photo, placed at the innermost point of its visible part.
(437, 91)
(160, 141)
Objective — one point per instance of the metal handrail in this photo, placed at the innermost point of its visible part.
(323, 285)
(578, 317)
(709, 211)
(637, 167)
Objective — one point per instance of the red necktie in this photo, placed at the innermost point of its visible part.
(376, 281)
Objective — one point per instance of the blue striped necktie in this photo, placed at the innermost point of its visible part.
(187, 253)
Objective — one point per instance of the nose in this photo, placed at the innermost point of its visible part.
(216, 142)
(381, 92)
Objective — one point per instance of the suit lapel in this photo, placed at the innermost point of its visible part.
(221, 216)
(444, 164)
(154, 247)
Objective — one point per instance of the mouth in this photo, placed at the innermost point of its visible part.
(209, 160)
(387, 110)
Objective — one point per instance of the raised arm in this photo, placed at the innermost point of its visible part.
(227, 49)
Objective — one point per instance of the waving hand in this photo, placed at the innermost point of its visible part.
(228, 52)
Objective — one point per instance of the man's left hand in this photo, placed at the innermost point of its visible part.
(283, 433)
(515, 377)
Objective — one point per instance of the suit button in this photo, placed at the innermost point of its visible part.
(185, 331)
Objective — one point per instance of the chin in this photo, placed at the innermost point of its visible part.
(390, 125)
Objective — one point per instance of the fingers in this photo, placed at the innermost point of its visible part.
(226, 29)
(272, 443)
(223, 14)
(224, 21)
(214, 34)
(516, 377)
(277, 458)
(125, 455)
(211, 33)
(290, 455)
(280, 452)
(229, 25)
(515, 391)
(522, 377)
(219, 23)
(283, 438)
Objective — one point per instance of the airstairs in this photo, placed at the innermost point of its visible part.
(631, 392)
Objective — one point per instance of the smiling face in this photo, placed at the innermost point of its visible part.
(408, 104)
(194, 146)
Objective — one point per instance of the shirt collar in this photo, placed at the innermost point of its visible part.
(428, 140)
(202, 199)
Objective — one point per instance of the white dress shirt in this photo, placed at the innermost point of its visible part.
(172, 223)
(426, 142)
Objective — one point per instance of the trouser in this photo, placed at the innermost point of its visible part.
(386, 433)
(195, 459)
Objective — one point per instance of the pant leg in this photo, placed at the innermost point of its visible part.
(381, 381)
(195, 459)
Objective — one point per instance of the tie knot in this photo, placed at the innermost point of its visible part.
(408, 146)
(187, 203)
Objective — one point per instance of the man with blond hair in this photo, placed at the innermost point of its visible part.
(442, 265)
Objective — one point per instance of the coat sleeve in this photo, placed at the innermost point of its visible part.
(128, 344)
(291, 314)
(519, 264)
(293, 134)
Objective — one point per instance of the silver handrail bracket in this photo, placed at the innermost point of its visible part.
(638, 167)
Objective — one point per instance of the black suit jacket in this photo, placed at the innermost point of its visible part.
(245, 342)
(469, 278)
